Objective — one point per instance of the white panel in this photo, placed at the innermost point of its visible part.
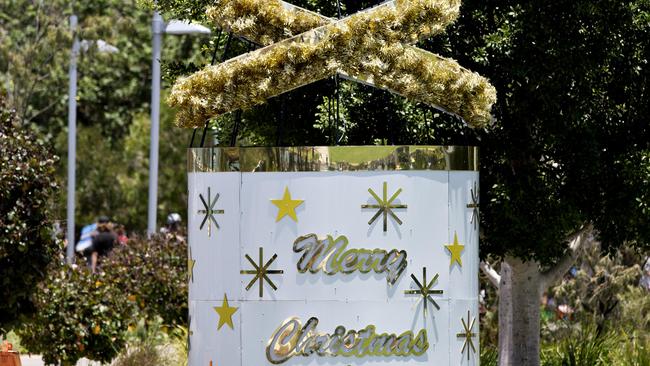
(461, 185)
(457, 312)
(217, 255)
(437, 207)
(333, 206)
(221, 346)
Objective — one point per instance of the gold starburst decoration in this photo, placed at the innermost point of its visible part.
(467, 334)
(425, 289)
(209, 211)
(385, 206)
(474, 206)
(304, 47)
(261, 271)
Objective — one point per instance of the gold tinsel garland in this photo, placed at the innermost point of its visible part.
(368, 46)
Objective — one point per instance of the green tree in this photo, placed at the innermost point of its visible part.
(566, 159)
(113, 100)
(27, 243)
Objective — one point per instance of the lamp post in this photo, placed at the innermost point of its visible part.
(72, 137)
(159, 27)
(77, 45)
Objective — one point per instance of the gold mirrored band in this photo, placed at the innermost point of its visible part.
(332, 158)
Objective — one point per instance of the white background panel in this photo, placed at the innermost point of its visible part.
(460, 184)
(217, 256)
(333, 206)
(459, 310)
(222, 346)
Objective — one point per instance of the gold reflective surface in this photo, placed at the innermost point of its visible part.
(331, 256)
(331, 158)
(293, 338)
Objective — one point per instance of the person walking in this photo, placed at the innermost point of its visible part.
(102, 243)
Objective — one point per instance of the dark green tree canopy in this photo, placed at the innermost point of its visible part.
(571, 141)
(27, 244)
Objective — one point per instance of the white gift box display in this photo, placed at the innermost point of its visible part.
(333, 256)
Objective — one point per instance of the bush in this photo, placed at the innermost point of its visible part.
(586, 347)
(27, 245)
(151, 344)
(85, 315)
(154, 273)
(79, 315)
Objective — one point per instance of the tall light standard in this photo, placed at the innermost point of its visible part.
(102, 47)
(159, 27)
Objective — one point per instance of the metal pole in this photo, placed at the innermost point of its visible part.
(72, 138)
(157, 26)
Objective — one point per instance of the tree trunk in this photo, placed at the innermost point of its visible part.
(519, 317)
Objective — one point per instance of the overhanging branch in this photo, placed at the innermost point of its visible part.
(490, 273)
(576, 241)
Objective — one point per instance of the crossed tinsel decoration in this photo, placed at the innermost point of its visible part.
(372, 47)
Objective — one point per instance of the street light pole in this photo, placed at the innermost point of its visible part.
(157, 26)
(72, 139)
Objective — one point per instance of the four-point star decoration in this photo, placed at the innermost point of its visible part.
(190, 266)
(455, 249)
(209, 211)
(287, 206)
(467, 334)
(474, 206)
(225, 312)
(425, 289)
(385, 206)
(261, 272)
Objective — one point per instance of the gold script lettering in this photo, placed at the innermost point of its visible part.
(293, 339)
(330, 256)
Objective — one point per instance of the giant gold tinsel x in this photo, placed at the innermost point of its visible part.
(373, 46)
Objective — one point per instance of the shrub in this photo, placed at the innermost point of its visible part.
(154, 273)
(151, 344)
(489, 356)
(79, 315)
(85, 315)
(26, 241)
(587, 347)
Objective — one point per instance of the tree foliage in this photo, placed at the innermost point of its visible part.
(113, 100)
(571, 125)
(27, 244)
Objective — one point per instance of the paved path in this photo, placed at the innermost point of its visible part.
(37, 361)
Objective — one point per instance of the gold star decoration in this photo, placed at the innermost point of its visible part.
(209, 211)
(287, 206)
(190, 266)
(455, 249)
(467, 334)
(225, 312)
(385, 206)
(425, 289)
(261, 272)
(474, 206)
